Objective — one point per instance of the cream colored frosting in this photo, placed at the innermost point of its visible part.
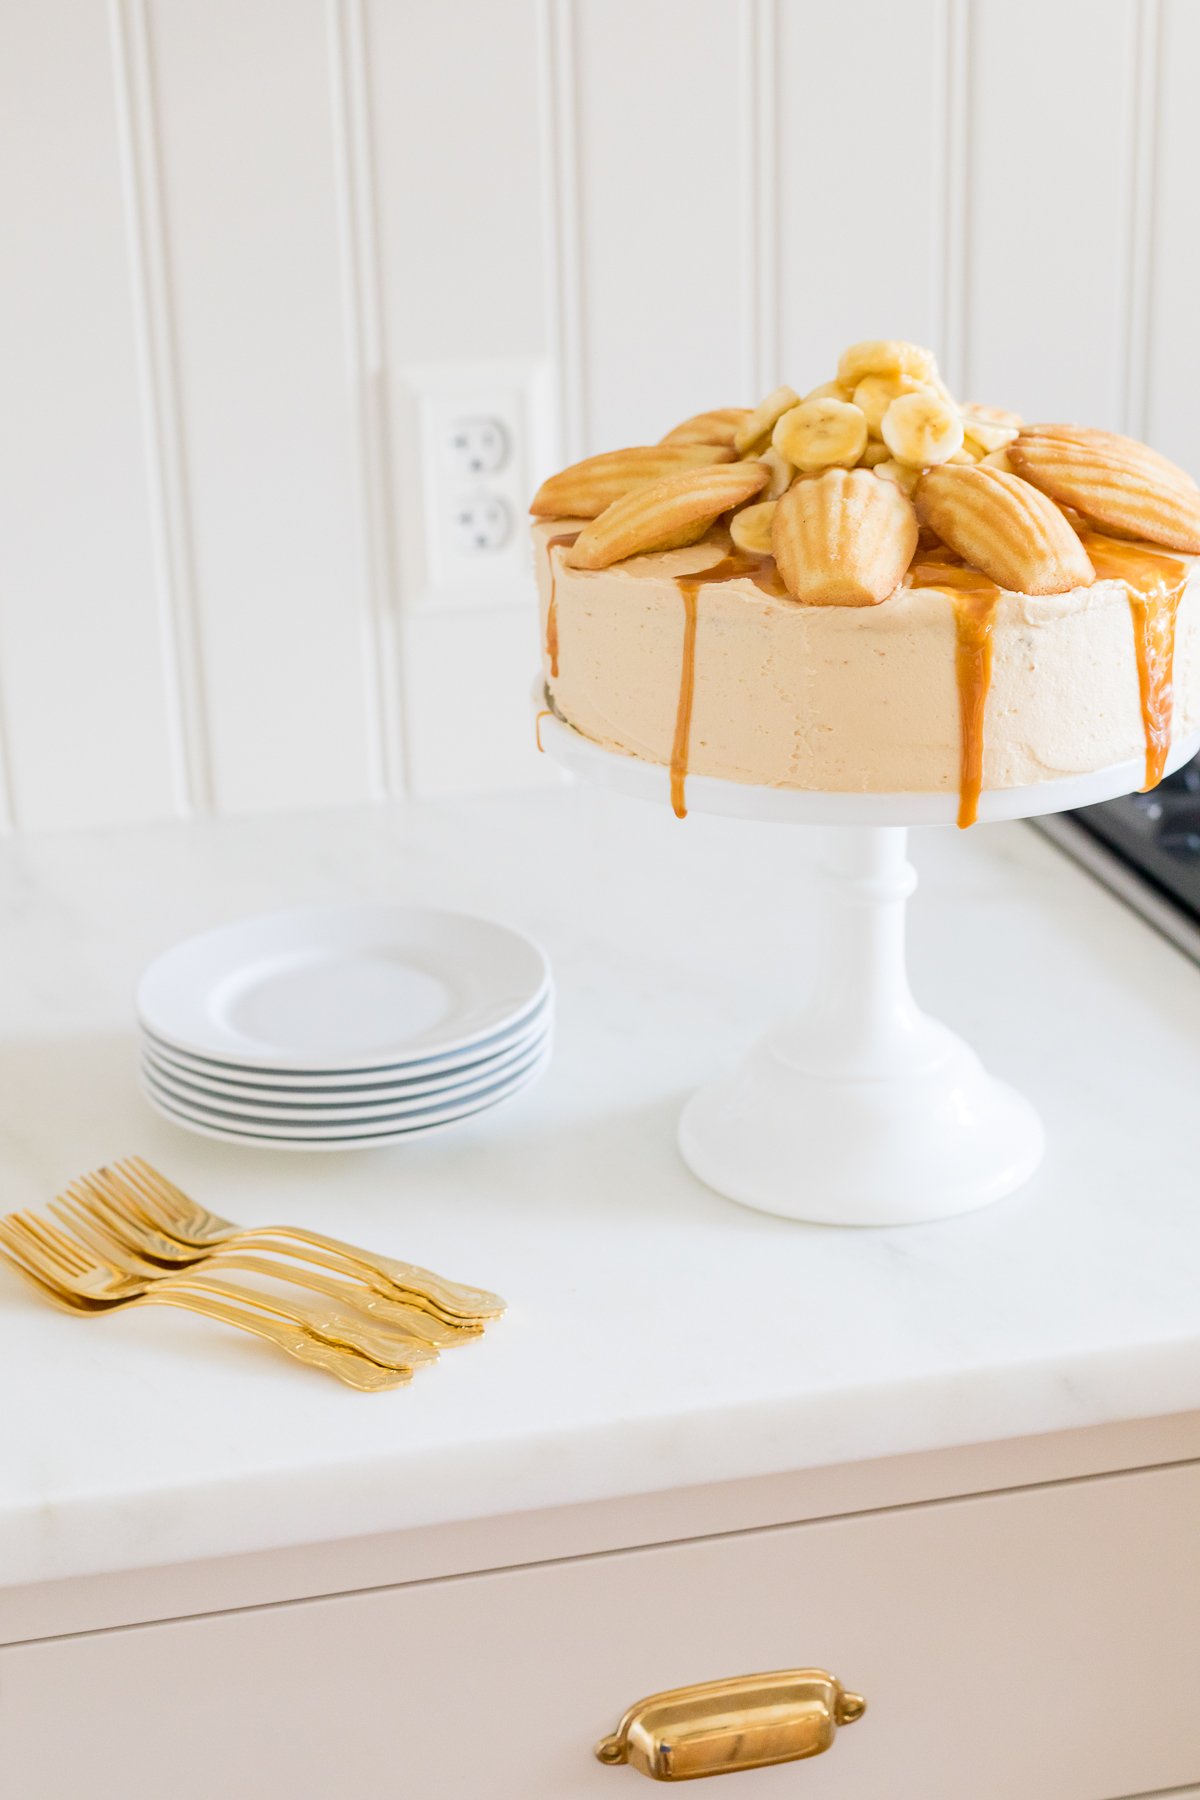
(849, 699)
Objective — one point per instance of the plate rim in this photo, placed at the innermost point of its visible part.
(386, 1109)
(375, 1141)
(351, 1064)
(316, 1091)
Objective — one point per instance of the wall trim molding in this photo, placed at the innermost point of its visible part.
(166, 466)
(367, 375)
(565, 310)
(952, 235)
(1143, 138)
(760, 207)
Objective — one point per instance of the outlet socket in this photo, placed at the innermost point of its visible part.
(477, 447)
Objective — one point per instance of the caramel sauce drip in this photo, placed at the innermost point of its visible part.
(1154, 583)
(565, 538)
(974, 599)
(537, 728)
(737, 565)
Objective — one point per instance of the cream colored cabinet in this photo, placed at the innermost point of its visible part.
(1042, 1644)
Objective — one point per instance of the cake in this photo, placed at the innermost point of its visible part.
(873, 588)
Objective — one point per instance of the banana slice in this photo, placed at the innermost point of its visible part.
(821, 434)
(830, 390)
(997, 459)
(750, 528)
(921, 430)
(885, 356)
(875, 393)
(782, 473)
(755, 433)
(902, 474)
(874, 453)
(990, 427)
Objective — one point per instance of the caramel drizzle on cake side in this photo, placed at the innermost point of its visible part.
(564, 540)
(738, 565)
(974, 599)
(1154, 583)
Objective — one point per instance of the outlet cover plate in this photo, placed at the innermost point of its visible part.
(440, 567)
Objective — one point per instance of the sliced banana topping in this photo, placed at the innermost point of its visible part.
(782, 473)
(750, 528)
(875, 393)
(885, 356)
(821, 434)
(755, 433)
(921, 430)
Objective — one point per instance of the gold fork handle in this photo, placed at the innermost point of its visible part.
(355, 1370)
(414, 1283)
(393, 1315)
(336, 1328)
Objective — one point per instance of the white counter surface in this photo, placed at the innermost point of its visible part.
(658, 1336)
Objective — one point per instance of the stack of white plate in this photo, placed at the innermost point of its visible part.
(343, 1027)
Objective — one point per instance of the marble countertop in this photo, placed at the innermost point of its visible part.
(658, 1335)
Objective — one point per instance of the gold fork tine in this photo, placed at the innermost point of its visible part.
(58, 1251)
(102, 1187)
(15, 1254)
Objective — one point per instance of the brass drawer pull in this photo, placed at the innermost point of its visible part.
(719, 1727)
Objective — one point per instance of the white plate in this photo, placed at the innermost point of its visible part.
(265, 1140)
(277, 1092)
(304, 1113)
(317, 1081)
(342, 989)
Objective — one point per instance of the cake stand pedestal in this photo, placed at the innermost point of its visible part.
(861, 1110)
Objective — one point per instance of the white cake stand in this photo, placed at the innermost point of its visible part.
(861, 1110)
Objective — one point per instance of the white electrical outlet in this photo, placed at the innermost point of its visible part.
(476, 447)
(483, 524)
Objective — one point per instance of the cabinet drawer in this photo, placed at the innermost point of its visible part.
(1037, 1645)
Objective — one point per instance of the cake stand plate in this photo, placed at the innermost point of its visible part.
(862, 1110)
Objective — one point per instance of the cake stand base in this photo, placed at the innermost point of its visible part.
(861, 1110)
(923, 1144)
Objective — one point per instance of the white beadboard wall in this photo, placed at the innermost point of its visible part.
(231, 227)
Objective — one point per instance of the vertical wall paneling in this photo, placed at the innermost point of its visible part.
(661, 190)
(954, 158)
(1051, 122)
(1172, 343)
(560, 213)
(1145, 76)
(171, 531)
(81, 675)
(860, 202)
(759, 102)
(362, 299)
(248, 184)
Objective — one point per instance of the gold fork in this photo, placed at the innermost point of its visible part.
(106, 1219)
(192, 1226)
(57, 1282)
(101, 1284)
